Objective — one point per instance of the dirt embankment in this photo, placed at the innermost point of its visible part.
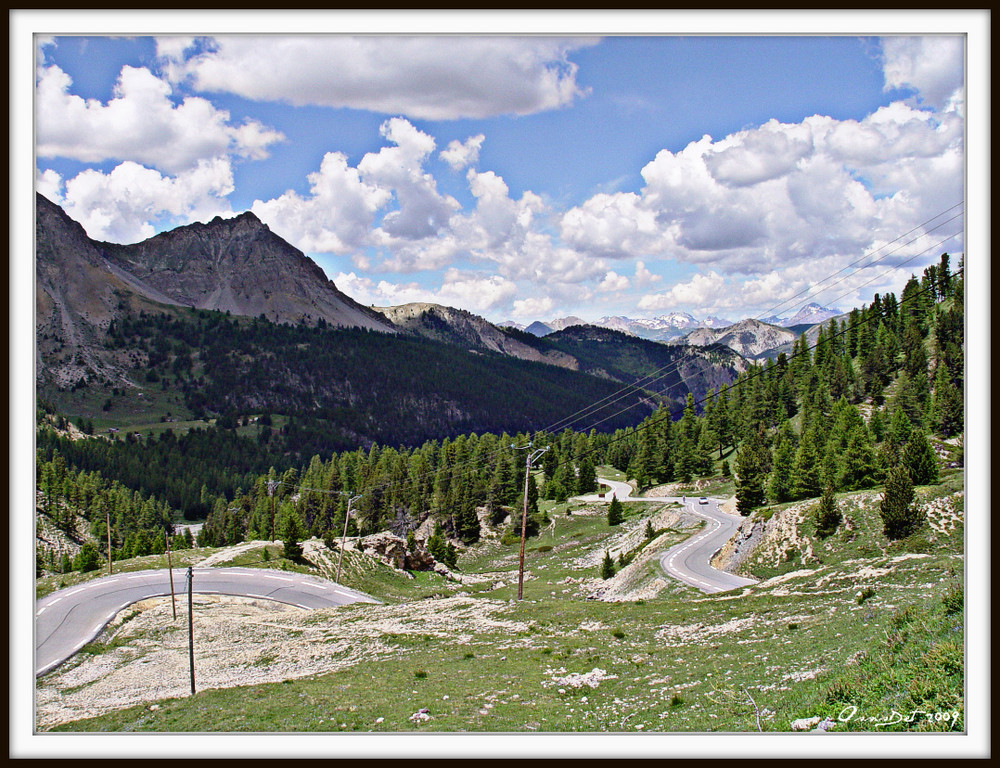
(774, 540)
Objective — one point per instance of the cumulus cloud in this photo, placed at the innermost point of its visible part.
(422, 211)
(122, 206)
(432, 78)
(337, 215)
(767, 198)
(613, 282)
(614, 226)
(703, 290)
(460, 154)
(477, 293)
(931, 65)
(533, 307)
(140, 124)
(643, 277)
(49, 183)
(750, 157)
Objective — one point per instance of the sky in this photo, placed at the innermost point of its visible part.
(527, 177)
(629, 126)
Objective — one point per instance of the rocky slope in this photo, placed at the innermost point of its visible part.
(236, 265)
(752, 339)
(464, 329)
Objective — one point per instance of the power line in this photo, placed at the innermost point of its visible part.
(810, 288)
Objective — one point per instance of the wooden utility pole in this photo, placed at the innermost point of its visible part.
(190, 578)
(271, 484)
(524, 518)
(170, 570)
(343, 536)
(108, 513)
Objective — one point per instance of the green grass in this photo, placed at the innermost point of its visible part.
(681, 661)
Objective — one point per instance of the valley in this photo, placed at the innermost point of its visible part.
(293, 418)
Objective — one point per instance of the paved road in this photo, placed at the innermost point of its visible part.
(689, 560)
(622, 490)
(67, 620)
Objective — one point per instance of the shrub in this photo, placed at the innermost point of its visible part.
(954, 599)
(827, 515)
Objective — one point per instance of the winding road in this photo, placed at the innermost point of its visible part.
(689, 561)
(67, 620)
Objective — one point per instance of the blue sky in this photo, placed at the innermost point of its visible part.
(527, 177)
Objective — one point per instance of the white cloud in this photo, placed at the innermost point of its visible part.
(479, 294)
(49, 183)
(432, 78)
(613, 282)
(703, 290)
(614, 226)
(533, 307)
(643, 277)
(932, 65)
(468, 291)
(461, 155)
(750, 157)
(422, 212)
(139, 124)
(767, 198)
(336, 217)
(122, 206)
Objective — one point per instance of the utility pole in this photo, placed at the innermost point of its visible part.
(170, 570)
(190, 578)
(343, 536)
(108, 513)
(524, 517)
(271, 485)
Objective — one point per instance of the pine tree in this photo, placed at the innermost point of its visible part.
(900, 516)
(615, 515)
(919, 459)
(948, 410)
(88, 558)
(827, 515)
(753, 462)
(292, 536)
(649, 533)
(781, 482)
(859, 468)
(607, 566)
(586, 477)
(808, 464)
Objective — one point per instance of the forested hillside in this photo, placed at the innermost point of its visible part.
(871, 404)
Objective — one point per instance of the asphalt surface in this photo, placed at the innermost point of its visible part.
(690, 560)
(622, 490)
(67, 620)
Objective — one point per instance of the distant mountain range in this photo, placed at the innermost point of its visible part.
(672, 326)
(810, 314)
(660, 328)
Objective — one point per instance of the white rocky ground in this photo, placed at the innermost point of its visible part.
(242, 641)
